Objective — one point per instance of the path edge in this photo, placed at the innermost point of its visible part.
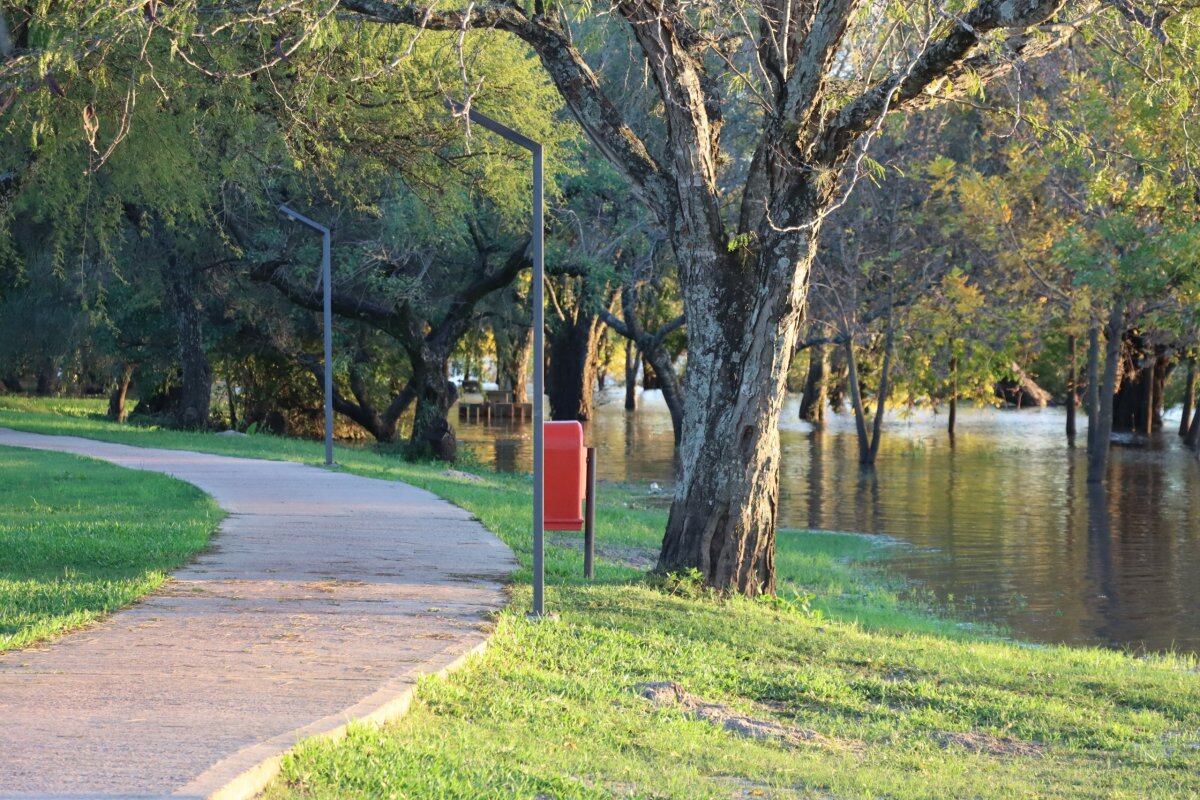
(256, 766)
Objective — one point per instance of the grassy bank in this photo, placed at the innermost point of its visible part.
(855, 692)
(80, 538)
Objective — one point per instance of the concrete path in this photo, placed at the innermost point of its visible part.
(322, 598)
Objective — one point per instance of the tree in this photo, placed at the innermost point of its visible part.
(819, 81)
(744, 282)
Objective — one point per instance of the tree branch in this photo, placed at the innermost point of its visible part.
(946, 58)
(574, 79)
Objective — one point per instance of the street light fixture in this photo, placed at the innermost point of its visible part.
(327, 310)
(539, 274)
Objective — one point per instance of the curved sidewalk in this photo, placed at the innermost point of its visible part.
(320, 600)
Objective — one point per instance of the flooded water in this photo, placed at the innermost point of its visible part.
(1003, 521)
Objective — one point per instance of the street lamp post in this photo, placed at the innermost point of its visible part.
(539, 274)
(327, 313)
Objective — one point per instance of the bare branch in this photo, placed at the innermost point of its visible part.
(944, 59)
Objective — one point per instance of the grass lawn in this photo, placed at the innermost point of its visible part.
(81, 538)
(858, 691)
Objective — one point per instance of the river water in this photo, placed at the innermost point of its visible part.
(1002, 521)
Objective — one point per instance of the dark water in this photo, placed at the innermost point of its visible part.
(1003, 519)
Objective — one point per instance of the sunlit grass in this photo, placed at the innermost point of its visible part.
(80, 538)
(897, 701)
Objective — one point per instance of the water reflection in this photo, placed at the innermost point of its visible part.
(1003, 517)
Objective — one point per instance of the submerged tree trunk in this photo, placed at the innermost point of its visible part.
(1093, 385)
(571, 377)
(1138, 401)
(117, 408)
(633, 358)
(1189, 398)
(815, 396)
(1072, 390)
(513, 346)
(647, 351)
(868, 441)
(1192, 440)
(952, 420)
(1101, 443)
(195, 386)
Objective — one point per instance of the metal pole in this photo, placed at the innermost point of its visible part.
(539, 360)
(589, 518)
(327, 315)
(327, 277)
(539, 363)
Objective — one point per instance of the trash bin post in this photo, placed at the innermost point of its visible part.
(589, 518)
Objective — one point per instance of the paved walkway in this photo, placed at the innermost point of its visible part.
(321, 599)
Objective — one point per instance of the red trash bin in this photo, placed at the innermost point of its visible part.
(565, 476)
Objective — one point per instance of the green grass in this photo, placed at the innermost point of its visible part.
(906, 703)
(80, 538)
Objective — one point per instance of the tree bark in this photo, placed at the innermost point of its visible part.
(571, 378)
(1137, 406)
(815, 396)
(1189, 398)
(741, 339)
(1072, 389)
(431, 431)
(117, 410)
(1101, 443)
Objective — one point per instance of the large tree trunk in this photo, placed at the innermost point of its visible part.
(117, 409)
(435, 394)
(741, 339)
(571, 379)
(815, 396)
(47, 377)
(633, 358)
(195, 387)
(1189, 398)
(1101, 442)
